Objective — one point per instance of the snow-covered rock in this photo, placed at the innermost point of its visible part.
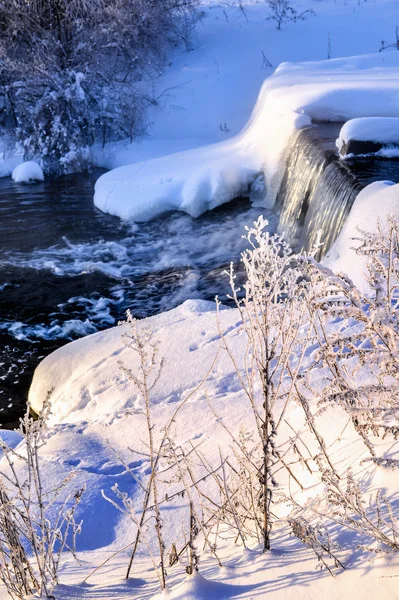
(369, 135)
(372, 206)
(203, 178)
(27, 172)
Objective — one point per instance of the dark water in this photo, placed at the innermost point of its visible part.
(68, 270)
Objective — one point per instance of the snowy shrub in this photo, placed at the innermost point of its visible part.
(362, 360)
(54, 123)
(274, 317)
(318, 539)
(172, 474)
(343, 503)
(282, 11)
(72, 72)
(36, 524)
(288, 304)
(311, 342)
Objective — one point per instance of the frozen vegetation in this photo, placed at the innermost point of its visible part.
(72, 71)
(246, 448)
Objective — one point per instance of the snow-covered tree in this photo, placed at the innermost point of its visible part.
(71, 71)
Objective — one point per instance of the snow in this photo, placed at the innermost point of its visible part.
(88, 385)
(374, 129)
(27, 172)
(297, 93)
(383, 130)
(10, 438)
(371, 208)
(7, 165)
(196, 587)
(96, 418)
(207, 94)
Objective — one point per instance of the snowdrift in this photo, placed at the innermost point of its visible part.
(88, 383)
(371, 210)
(97, 418)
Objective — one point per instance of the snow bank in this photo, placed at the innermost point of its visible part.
(184, 181)
(27, 172)
(380, 131)
(97, 418)
(195, 587)
(88, 383)
(372, 206)
(202, 179)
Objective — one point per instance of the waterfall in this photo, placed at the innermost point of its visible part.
(317, 190)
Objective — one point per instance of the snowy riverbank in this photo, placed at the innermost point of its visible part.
(196, 159)
(97, 418)
(297, 93)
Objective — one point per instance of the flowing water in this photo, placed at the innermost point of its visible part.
(317, 191)
(68, 270)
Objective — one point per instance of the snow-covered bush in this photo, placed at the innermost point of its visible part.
(290, 304)
(166, 460)
(36, 524)
(363, 360)
(71, 70)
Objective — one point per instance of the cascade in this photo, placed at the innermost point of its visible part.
(316, 193)
(318, 190)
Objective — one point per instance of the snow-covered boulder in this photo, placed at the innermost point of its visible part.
(27, 172)
(369, 135)
(372, 207)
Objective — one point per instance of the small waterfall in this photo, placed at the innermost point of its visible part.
(317, 191)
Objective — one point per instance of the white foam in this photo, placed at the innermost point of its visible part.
(56, 330)
(176, 242)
